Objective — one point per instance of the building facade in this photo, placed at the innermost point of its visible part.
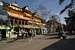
(22, 19)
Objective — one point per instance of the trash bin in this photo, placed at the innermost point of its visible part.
(0, 36)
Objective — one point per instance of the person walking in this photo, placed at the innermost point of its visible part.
(22, 32)
(30, 35)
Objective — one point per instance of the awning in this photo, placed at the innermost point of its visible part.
(26, 26)
(29, 26)
(4, 27)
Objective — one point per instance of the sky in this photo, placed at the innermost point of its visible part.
(49, 7)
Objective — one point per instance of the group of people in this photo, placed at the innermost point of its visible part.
(24, 34)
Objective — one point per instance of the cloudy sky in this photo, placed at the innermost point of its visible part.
(48, 6)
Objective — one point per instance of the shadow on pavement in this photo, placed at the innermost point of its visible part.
(11, 41)
(68, 44)
(50, 34)
(52, 38)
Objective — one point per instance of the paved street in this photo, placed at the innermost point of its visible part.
(68, 44)
(40, 42)
(70, 36)
(37, 43)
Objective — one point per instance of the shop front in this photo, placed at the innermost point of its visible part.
(3, 31)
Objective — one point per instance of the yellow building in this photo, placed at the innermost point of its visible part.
(24, 19)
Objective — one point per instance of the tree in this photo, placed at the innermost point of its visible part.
(67, 6)
(70, 21)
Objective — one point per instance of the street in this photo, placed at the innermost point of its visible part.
(37, 43)
(40, 42)
(68, 44)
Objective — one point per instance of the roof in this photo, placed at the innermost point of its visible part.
(23, 10)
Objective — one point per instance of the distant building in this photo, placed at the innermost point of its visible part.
(53, 25)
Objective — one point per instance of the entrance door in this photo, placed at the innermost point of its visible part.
(3, 32)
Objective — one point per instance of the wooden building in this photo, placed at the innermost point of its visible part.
(23, 19)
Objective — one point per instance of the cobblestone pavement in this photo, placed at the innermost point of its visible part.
(37, 43)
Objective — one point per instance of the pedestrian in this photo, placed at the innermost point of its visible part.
(26, 34)
(61, 35)
(30, 35)
(22, 32)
